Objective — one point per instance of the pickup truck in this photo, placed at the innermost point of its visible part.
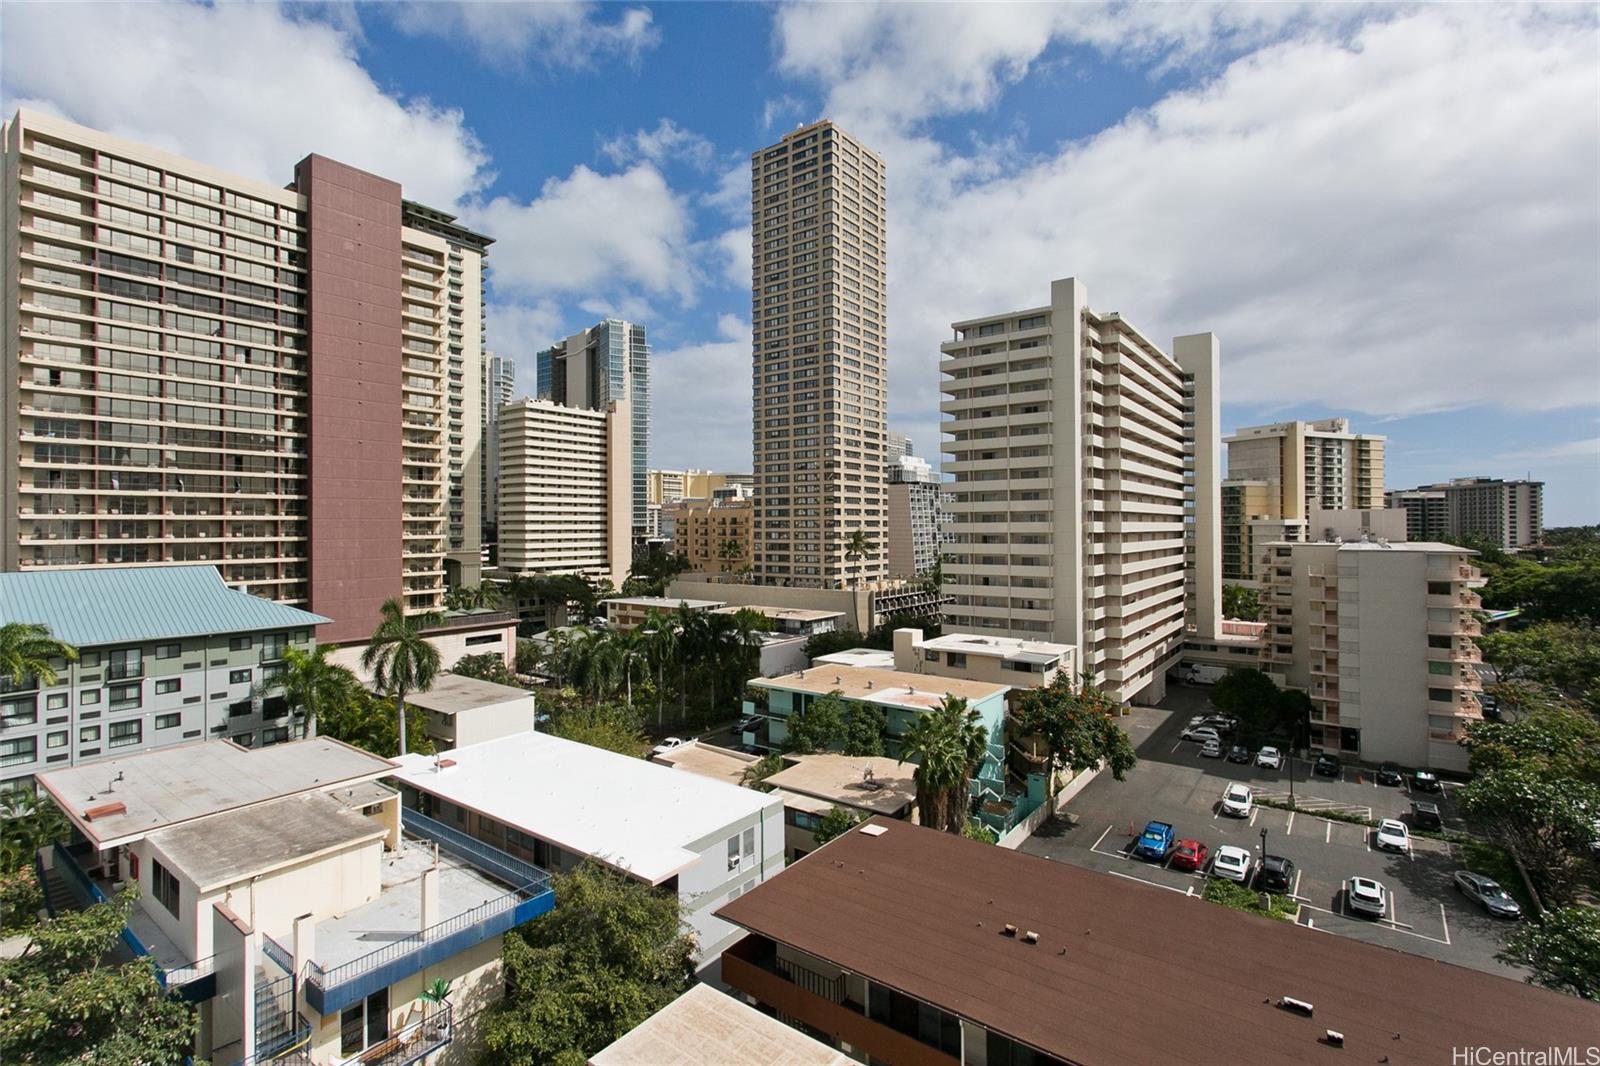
(1156, 842)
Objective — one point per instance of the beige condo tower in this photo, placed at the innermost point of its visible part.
(1078, 449)
(820, 362)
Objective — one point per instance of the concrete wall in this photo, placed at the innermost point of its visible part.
(452, 646)
(488, 722)
(710, 882)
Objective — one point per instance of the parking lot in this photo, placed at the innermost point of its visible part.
(1174, 784)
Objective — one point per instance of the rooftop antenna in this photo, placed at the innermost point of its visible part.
(111, 786)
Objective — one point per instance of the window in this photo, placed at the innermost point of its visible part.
(168, 721)
(88, 734)
(1438, 588)
(125, 733)
(88, 697)
(22, 710)
(239, 644)
(124, 663)
(56, 701)
(171, 684)
(1439, 668)
(126, 697)
(164, 887)
(1441, 695)
(56, 740)
(238, 677)
(487, 638)
(276, 735)
(168, 651)
(956, 659)
(240, 709)
(18, 750)
(749, 844)
(88, 660)
(733, 851)
(363, 1024)
(931, 655)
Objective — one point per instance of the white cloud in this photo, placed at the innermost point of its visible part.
(591, 231)
(667, 143)
(734, 245)
(189, 78)
(519, 330)
(1398, 222)
(549, 33)
(700, 394)
(1586, 450)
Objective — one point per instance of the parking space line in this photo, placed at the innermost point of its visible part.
(1155, 884)
(1096, 845)
(1253, 812)
(1289, 829)
(1444, 922)
(1295, 892)
(1175, 748)
(1327, 838)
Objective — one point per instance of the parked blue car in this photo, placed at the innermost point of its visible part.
(1156, 842)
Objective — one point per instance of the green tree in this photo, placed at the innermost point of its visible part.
(756, 774)
(1562, 949)
(1241, 602)
(369, 723)
(66, 1001)
(26, 651)
(820, 644)
(312, 686)
(947, 744)
(837, 822)
(1546, 823)
(858, 549)
(607, 725)
(817, 726)
(730, 553)
(1078, 728)
(976, 830)
(1252, 697)
(530, 657)
(28, 822)
(490, 666)
(864, 729)
(401, 659)
(609, 955)
(1562, 655)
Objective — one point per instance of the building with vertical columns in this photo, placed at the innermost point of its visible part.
(1380, 635)
(916, 512)
(1509, 513)
(1075, 444)
(499, 387)
(466, 348)
(820, 374)
(566, 490)
(1278, 474)
(606, 363)
(217, 369)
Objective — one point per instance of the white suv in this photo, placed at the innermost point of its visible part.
(1392, 835)
(1202, 733)
(1237, 800)
(1368, 897)
(1232, 863)
(1271, 758)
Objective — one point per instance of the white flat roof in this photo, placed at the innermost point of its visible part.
(625, 812)
(782, 614)
(664, 603)
(870, 658)
(1005, 647)
(187, 781)
(704, 1027)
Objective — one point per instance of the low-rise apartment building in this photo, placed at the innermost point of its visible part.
(705, 1027)
(864, 608)
(631, 612)
(286, 893)
(812, 785)
(715, 535)
(166, 655)
(1380, 634)
(951, 953)
(998, 660)
(459, 711)
(556, 803)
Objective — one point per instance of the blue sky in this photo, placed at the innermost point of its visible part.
(1388, 213)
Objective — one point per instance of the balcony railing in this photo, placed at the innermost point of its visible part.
(414, 1042)
(334, 988)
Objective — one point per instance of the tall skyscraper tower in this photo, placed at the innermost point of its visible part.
(606, 363)
(820, 375)
(499, 387)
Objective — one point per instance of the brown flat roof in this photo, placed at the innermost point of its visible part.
(1125, 972)
(885, 686)
(838, 779)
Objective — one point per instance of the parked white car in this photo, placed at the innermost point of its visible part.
(1202, 733)
(1367, 897)
(1234, 863)
(666, 746)
(1392, 835)
(1238, 800)
(1271, 758)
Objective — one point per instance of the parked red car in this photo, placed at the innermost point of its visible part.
(1189, 855)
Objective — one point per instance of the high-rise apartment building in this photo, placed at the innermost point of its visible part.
(1380, 635)
(1071, 441)
(1509, 513)
(1278, 474)
(499, 387)
(898, 446)
(916, 511)
(604, 364)
(467, 352)
(665, 486)
(566, 489)
(820, 361)
(211, 368)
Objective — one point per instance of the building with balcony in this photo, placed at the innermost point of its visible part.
(167, 655)
(499, 387)
(566, 490)
(556, 803)
(863, 608)
(1380, 634)
(286, 893)
(714, 535)
(819, 305)
(1509, 513)
(218, 369)
(1085, 508)
(950, 952)
(917, 514)
(669, 486)
(605, 364)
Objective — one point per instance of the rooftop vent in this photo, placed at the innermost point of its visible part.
(1298, 1006)
(873, 830)
(1031, 937)
(1334, 1039)
(1010, 930)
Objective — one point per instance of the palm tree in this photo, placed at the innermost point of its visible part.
(750, 627)
(312, 685)
(661, 648)
(946, 744)
(857, 549)
(489, 594)
(401, 658)
(26, 650)
(730, 552)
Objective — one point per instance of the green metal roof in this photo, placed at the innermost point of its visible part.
(122, 605)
